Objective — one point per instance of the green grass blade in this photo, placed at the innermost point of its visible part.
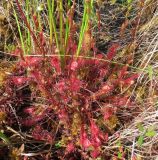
(4, 138)
(82, 30)
(20, 32)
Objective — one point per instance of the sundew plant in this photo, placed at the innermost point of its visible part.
(64, 95)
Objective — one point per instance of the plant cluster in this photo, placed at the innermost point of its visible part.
(75, 99)
(74, 89)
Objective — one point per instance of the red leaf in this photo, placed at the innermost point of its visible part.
(36, 76)
(112, 51)
(120, 101)
(84, 141)
(123, 72)
(96, 142)
(40, 134)
(22, 63)
(108, 112)
(63, 115)
(81, 62)
(107, 88)
(96, 134)
(74, 65)
(61, 86)
(104, 90)
(35, 19)
(75, 84)
(95, 153)
(131, 79)
(103, 72)
(55, 62)
(70, 148)
(19, 80)
(29, 110)
(98, 57)
(94, 128)
(33, 61)
(46, 136)
(123, 101)
(106, 137)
